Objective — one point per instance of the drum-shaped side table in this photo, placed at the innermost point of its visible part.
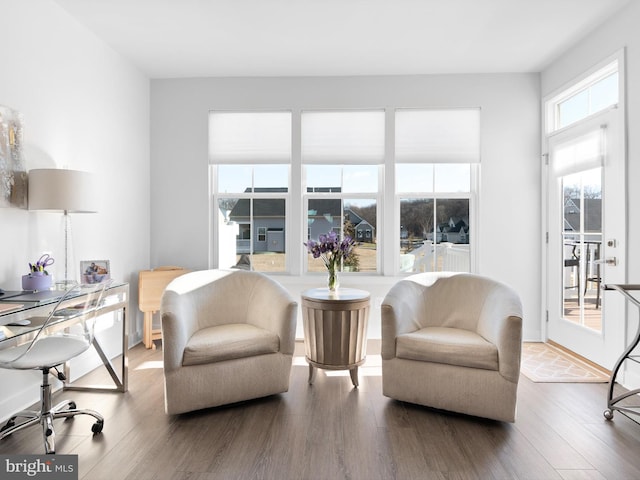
(335, 329)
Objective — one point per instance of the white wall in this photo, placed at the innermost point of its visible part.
(621, 31)
(84, 108)
(509, 225)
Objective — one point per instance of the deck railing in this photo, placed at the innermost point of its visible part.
(451, 257)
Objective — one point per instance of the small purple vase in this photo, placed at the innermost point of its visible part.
(36, 281)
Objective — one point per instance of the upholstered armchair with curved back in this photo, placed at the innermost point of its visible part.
(228, 336)
(453, 342)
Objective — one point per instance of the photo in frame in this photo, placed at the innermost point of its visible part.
(94, 271)
(13, 174)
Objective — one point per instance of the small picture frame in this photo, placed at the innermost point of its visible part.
(94, 271)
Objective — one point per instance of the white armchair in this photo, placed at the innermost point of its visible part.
(453, 342)
(228, 336)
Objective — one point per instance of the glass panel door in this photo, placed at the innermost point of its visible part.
(586, 241)
(581, 247)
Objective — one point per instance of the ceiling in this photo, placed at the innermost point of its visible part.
(201, 38)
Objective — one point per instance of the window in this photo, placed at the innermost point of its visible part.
(342, 153)
(435, 230)
(594, 94)
(339, 175)
(346, 215)
(435, 155)
(259, 209)
(250, 154)
(262, 232)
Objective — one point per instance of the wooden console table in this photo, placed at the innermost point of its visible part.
(335, 329)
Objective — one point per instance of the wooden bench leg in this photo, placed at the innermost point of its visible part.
(146, 334)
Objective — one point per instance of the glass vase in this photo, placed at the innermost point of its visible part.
(332, 280)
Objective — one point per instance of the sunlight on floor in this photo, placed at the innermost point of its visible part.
(299, 361)
(149, 365)
(372, 367)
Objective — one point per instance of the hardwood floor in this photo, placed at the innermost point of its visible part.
(332, 431)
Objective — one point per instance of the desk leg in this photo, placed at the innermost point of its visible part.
(120, 382)
(354, 376)
(312, 374)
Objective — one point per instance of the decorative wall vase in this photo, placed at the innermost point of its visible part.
(13, 174)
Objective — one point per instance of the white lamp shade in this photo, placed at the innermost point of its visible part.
(70, 191)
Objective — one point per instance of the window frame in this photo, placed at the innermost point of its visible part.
(377, 196)
(217, 217)
(471, 196)
(587, 80)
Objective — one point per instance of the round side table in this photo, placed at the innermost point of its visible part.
(335, 329)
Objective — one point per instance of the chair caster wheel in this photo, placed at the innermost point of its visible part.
(608, 414)
(97, 427)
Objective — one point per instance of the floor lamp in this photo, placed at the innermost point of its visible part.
(67, 191)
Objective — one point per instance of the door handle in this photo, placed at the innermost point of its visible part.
(609, 261)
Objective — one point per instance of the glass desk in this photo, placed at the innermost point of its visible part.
(34, 309)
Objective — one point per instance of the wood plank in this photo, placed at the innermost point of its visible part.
(581, 475)
(536, 428)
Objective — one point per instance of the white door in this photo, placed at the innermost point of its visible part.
(586, 238)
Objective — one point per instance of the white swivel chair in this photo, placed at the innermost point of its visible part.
(453, 342)
(66, 333)
(228, 336)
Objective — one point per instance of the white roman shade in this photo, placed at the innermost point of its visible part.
(343, 137)
(249, 137)
(578, 153)
(437, 136)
